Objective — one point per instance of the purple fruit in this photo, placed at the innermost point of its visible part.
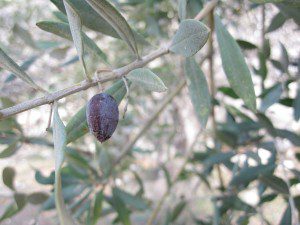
(102, 116)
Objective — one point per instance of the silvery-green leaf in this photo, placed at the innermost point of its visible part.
(277, 21)
(271, 97)
(93, 20)
(59, 139)
(234, 65)
(182, 9)
(296, 104)
(63, 30)
(116, 20)
(147, 79)
(76, 26)
(198, 90)
(189, 38)
(7, 63)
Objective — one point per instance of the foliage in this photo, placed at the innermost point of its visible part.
(87, 188)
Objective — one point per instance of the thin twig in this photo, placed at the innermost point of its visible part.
(126, 97)
(84, 85)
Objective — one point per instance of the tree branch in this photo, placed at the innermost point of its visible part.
(84, 85)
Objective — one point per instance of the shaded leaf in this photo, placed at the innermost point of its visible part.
(182, 9)
(120, 207)
(146, 79)
(132, 201)
(7, 63)
(10, 150)
(276, 183)
(105, 161)
(272, 96)
(218, 158)
(177, 210)
(8, 175)
(277, 21)
(290, 11)
(167, 176)
(296, 104)
(235, 67)
(198, 90)
(246, 44)
(286, 219)
(15, 207)
(189, 38)
(76, 31)
(37, 198)
(284, 58)
(63, 30)
(249, 174)
(116, 20)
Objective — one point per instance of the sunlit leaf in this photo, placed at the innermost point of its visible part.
(198, 90)
(59, 139)
(234, 65)
(116, 20)
(190, 37)
(147, 80)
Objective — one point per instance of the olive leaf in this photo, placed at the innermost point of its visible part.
(182, 9)
(198, 90)
(63, 30)
(7, 63)
(190, 38)
(147, 79)
(59, 139)
(277, 21)
(76, 27)
(117, 21)
(8, 175)
(234, 65)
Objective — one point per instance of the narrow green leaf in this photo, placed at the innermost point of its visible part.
(59, 139)
(177, 210)
(24, 35)
(290, 10)
(97, 209)
(218, 158)
(249, 174)
(76, 31)
(276, 183)
(263, 70)
(182, 9)
(132, 201)
(198, 90)
(234, 65)
(146, 79)
(7, 63)
(277, 21)
(10, 150)
(287, 216)
(189, 38)
(93, 20)
(296, 104)
(63, 30)
(284, 58)
(167, 176)
(120, 207)
(117, 21)
(37, 198)
(105, 161)
(14, 208)
(291, 136)
(8, 175)
(246, 44)
(271, 97)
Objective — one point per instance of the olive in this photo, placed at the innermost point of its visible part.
(102, 116)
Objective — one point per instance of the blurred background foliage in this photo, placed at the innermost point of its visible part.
(244, 167)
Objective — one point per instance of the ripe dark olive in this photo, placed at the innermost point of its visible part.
(102, 116)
